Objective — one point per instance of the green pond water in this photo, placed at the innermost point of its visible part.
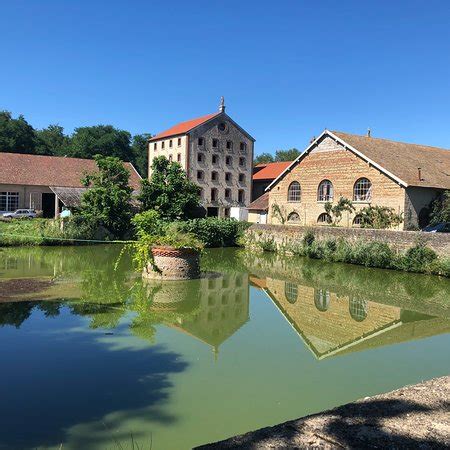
(93, 358)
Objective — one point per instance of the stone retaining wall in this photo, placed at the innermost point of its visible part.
(401, 240)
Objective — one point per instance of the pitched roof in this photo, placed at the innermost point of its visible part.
(261, 203)
(38, 170)
(399, 160)
(184, 127)
(271, 170)
(403, 160)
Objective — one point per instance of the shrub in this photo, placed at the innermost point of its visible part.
(308, 238)
(148, 222)
(215, 232)
(419, 258)
(267, 244)
(379, 217)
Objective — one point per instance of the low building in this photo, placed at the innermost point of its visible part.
(264, 174)
(217, 155)
(365, 170)
(46, 183)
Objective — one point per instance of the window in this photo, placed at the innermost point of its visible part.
(214, 176)
(228, 176)
(179, 157)
(243, 146)
(227, 213)
(9, 201)
(293, 217)
(241, 196)
(213, 194)
(215, 159)
(324, 219)
(322, 299)
(155, 146)
(228, 194)
(228, 160)
(241, 178)
(357, 221)
(200, 141)
(179, 142)
(200, 157)
(294, 192)
(170, 158)
(229, 145)
(222, 127)
(325, 191)
(358, 309)
(362, 190)
(162, 144)
(242, 161)
(290, 292)
(215, 143)
(200, 175)
(170, 143)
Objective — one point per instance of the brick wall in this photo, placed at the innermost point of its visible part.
(329, 160)
(401, 240)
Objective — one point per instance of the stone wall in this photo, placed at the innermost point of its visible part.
(401, 240)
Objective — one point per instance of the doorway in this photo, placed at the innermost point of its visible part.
(212, 212)
(48, 205)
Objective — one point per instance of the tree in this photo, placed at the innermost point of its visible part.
(169, 191)
(335, 211)
(139, 151)
(102, 140)
(440, 209)
(52, 141)
(107, 202)
(16, 135)
(263, 158)
(287, 155)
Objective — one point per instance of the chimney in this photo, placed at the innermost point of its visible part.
(419, 171)
(368, 132)
(222, 105)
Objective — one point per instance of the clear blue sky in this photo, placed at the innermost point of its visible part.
(287, 69)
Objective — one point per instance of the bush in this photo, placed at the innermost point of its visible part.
(215, 232)
(148, 222)
(419, 259)
(380, 217)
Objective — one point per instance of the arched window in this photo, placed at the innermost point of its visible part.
(290, 292)
(325, 191)
(294, 192)
(293, 217)
(362, 190)
(324, 219)
(322, 299)
(357, 221)
(358, 309)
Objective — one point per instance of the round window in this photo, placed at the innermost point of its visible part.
(222, 127)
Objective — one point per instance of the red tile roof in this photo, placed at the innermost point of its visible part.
(260, 204)
(271, 170)
(183, 127)
(37, 170)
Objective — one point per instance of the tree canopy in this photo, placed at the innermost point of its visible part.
(18, 136)
(169, 191)
(280, 155)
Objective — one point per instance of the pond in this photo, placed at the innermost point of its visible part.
(94, 358)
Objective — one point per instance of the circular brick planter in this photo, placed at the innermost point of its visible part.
(171, 263)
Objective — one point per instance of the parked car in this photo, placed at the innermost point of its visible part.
(21, 214)
(443, 227)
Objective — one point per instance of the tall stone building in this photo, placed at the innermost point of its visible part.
(217, 154)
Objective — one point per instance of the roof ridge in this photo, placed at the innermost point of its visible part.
(390, 140)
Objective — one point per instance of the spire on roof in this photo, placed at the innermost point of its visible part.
(222, 105)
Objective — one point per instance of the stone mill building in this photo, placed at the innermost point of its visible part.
(217, 154)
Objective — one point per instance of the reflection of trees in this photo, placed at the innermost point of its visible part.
(16, 313)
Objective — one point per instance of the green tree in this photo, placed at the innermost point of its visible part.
(169, 191)
(287, 155)
(52, 141)
(16, 135)
(102, 140)
(440, 209)
(335, 211)
(139, 150)
(263, 158)
(107, 202)
(379, 217)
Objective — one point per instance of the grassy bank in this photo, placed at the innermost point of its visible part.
(419, 258)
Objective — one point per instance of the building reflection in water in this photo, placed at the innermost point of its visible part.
(332, 324)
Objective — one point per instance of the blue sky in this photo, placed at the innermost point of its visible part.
(287, 69)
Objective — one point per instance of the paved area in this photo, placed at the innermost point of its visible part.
(415, 416)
